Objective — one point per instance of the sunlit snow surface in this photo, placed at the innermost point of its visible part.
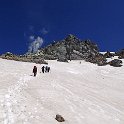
(82, 93)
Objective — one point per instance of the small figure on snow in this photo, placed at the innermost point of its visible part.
(43, 69)
(35, 71)
(48, 69)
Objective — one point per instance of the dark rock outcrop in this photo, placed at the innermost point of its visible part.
(35, 58)
(71, 48)
(109, 55)
(120, 54)
(116, 63)
(62, 59)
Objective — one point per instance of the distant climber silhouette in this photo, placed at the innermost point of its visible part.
(35, 71)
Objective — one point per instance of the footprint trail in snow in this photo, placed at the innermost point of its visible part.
(12, 100)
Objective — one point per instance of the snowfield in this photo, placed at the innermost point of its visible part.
(82, 93)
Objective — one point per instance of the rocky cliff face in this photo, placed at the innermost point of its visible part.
(71, 48)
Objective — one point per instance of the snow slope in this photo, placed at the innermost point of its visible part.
(82, 93)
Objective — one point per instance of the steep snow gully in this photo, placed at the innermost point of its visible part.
(83, 93)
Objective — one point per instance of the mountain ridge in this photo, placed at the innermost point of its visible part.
(70, 48)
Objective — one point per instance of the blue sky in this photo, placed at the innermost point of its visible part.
(22, 21)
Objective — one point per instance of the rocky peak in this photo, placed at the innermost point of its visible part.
(70, 37)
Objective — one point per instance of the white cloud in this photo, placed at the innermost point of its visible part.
(35, 45)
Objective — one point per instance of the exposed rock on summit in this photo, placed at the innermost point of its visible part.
(72, 48)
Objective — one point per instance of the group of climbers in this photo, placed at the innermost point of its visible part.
(45, 69)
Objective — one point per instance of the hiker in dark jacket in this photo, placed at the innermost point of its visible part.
(43, 69)
(35, 70)
(48, 69)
